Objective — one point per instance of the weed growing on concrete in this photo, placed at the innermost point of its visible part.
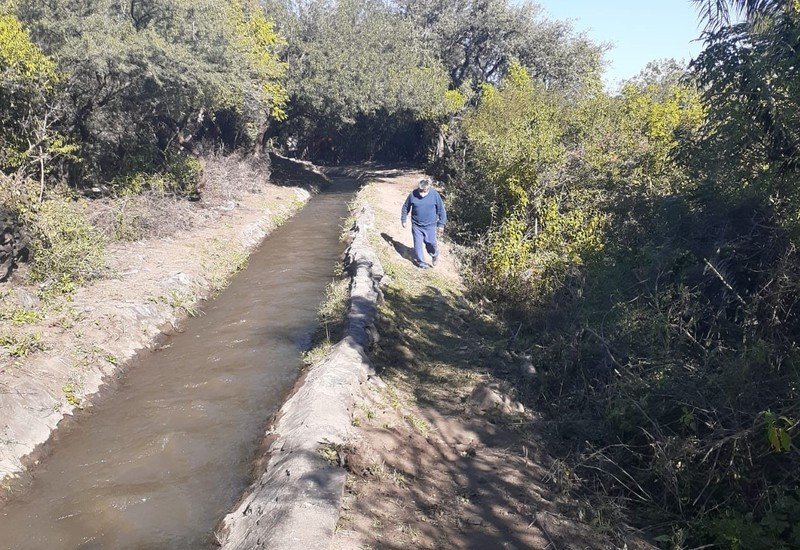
(21, 346)
(221, 262)
(420, 425)
(331, 312)
(334, 453)
(318, 353)
(187, 301)
(23, 316)
(69, 393)
(369, 413)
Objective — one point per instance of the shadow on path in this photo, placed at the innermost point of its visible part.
(404, 251)
(463, 479)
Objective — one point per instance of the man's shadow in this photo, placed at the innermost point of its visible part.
(405, 251)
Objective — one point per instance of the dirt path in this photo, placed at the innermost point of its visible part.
(443, 456)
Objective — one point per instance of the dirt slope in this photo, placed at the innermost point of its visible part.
(443, 456)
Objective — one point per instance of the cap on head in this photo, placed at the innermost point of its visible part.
(424, 184)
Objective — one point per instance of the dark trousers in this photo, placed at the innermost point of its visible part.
(424, 239)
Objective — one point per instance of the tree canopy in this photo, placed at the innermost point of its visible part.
(478, 40)
(144, 78)
(352, 63)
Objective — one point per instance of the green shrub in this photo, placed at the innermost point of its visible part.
(179, 176)
(657, 301)
(65, 247)
(184, 174)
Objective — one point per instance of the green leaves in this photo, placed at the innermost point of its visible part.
(478, 40)
(148, 79)
(27, 80)
(351, 58)
(20, 59)
(778, 431)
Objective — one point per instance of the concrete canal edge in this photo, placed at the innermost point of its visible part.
(295, 503)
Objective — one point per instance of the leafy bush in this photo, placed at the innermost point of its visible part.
(65, 247)
(27, 77)
(149, 82)
(655, 299)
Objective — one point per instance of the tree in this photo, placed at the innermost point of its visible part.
(28, 82)
(145, 78)
(27, 76)
(718, 13)
(477, 40)
(353, 63)
(750, 72)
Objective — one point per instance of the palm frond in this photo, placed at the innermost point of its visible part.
(719, 13)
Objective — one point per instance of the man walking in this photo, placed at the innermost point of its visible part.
(427, 217)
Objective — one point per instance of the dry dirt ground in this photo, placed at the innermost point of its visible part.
(443, 456)
(64, 351)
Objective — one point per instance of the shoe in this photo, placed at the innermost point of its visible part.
(423, 265)
(434, 259)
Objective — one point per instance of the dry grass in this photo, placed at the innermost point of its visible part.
(226, 178)
(150, 215)
(153, 214)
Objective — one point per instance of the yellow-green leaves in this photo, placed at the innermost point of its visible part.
(515, 131)
(569, 233)
(517, 77)
(65, 245)
(454, 101)
(20, 59)
(27, 79)
(509, 249)
(517, 138)
(660, 114)
(778, 431)
(259, 42)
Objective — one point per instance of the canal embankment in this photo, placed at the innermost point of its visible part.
(63, 357)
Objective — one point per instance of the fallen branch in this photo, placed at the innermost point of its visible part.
(724, 282)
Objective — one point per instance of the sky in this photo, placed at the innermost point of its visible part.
(638, 30)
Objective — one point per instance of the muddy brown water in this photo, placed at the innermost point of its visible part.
(163, 460)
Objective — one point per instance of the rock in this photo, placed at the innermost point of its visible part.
(13, 243)
(473, 519)
(179, 281)
(484, 398)
(405, 352)
(27, 300)
(494, 398)
(526, 369)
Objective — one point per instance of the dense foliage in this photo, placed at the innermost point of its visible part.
(124, 98)
(378, 79)
(355, 64)
(144, 81)
(643, 247)
(477, 40)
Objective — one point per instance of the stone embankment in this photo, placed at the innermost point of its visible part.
(295, 503)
